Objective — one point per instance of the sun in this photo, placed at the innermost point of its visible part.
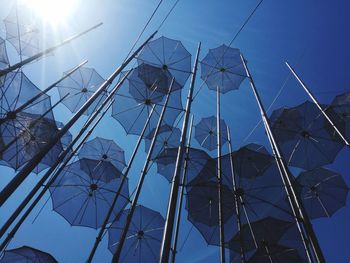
(54, 12)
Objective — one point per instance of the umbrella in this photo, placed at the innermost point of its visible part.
(82, 199)
(143, 237)
(303, 137)
(100, 171)
(169, 55)
(339, 111)
(222, 67)
(105, 151)
(27, 254)
(79, 87)
(206, 132)
(276, 253)
(322, 192)
(135, 100)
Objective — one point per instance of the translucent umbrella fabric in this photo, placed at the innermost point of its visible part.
(4, 61)
(83, 200)
(322, 191)
(100, 171)
(80, 86)
(143, 239)
(303, 136)
(103, 150)
(135, 100)
(27, 254)
(206, 133)
(169, 55)
(222, 68)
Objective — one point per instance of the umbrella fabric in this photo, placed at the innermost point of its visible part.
(303, 137)
(103, 150)
(222, 68)
(26, 254)
(169, 55)
(100, 171)
(206, 133)
(83, 200)
(79, 87)
(143, 239)
(4, 60)
(323, 192)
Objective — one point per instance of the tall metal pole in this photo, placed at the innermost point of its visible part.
(60, 158)
(182, 190)
(170, 217)
(287, 178)
(237, 196)
(308, 91)
(144, 171)
(20, 64)
(22, 175)
(125, 176)
(219, 178)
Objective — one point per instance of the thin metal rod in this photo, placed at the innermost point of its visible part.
(170, 216)
(144, 171)
(22, 175)
(308, 91)
(219, 179)
(287, 179)
(237, 197)
(182, 190)
(60, 158)
(117, 194)
(46, 51)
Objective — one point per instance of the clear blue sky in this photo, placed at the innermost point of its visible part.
(312, 35)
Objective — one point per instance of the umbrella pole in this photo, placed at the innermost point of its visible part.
(11, 187)
(20, 64)
(174, 190)
(287, 179)
(307, 90)
(144, 171)
(124, 177)
(237, 197)
(62, 157)
(182, 190)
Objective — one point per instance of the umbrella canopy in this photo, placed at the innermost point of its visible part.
(169, 55)
(100, 171)
(323, 192)
(26, 254)
(84, 200)
(144, 237)
(222, 68)
(339, 111)
(4, 60)
(79, 87)
(103, 150)
(303, 137)
(135, 100)
(206, 132)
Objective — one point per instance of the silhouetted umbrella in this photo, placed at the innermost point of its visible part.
(169, 55)
(27, 254)
(339, 111)
(206, 132)
(323, 192)
(222, 67)
(79, 87)
(135, 100)
(304, 139)
(143, 237)
(84, 200)
(105, 151)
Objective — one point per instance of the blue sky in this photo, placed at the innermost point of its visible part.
(312, 35)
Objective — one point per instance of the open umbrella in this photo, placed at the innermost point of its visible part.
(339, 111)
(27, 254)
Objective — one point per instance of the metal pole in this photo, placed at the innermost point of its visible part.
(20, 64)
(170, 217)
(22, 175)
(125, 175)
(307, 90)
(60, 158)
(287, 179)
(144, 171)
(183, 182)
(237, 196)
(219, 178)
